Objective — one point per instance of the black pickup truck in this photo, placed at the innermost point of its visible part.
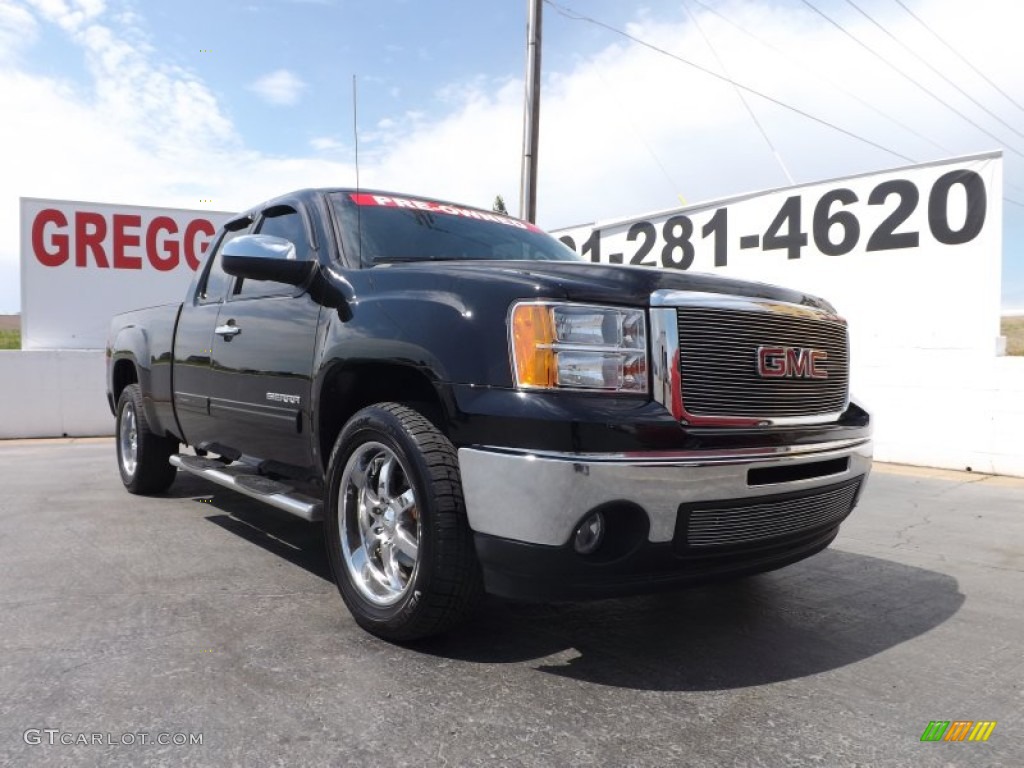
(468, 406)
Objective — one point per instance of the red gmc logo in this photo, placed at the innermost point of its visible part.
(791, 363)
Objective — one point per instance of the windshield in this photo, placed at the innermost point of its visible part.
(383, 229)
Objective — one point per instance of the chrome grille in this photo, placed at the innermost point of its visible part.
(747, 523)
(718, 363)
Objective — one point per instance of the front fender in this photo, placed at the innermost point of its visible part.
(451, 328)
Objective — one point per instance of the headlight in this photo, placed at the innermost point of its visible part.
(578, 346)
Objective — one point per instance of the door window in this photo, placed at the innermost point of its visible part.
(286, 222)
(214, 282)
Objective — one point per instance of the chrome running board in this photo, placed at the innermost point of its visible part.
(245, 480)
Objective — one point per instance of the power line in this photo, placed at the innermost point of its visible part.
(892, 66)
(800, 65)
(959, 55)
(575, 16)
(940, 74)
(571, 14)
(624, 113)
(817, 72)
(746, 105)
(920, 58)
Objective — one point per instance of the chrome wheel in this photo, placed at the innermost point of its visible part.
(143, 456)
(379, 522)
(400, 546)
(128, 440)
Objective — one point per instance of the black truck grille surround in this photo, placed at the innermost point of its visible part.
(749, 521)
(718, 361)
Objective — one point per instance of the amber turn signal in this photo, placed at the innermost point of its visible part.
(533, 333)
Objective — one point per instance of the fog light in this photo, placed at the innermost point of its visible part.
(589, 534)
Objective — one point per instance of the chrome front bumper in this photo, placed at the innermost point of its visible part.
(540, 498)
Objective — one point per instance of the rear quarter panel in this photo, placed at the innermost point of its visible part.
(144, 338)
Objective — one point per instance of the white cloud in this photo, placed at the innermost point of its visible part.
(144, 133)
(18, 29)
(623, 131)
(69, 14)
(326, 144)
(280, 88)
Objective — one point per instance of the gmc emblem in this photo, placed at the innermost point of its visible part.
(791, 363)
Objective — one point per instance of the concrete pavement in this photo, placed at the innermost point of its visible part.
(203, 612)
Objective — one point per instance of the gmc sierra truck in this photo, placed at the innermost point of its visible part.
(469, 407)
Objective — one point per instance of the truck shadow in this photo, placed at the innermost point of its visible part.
(291, 539)
(835, 609)
(832, 610)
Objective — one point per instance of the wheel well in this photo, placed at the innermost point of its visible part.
(124, 374)
(349, 388)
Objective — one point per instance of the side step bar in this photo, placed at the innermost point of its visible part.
(244, 479)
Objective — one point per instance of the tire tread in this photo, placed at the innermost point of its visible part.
(153, 471)
(455, 583)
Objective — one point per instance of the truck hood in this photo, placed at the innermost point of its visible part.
(603, 283)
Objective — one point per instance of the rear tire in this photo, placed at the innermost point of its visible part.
(142, 455)
(395, 525)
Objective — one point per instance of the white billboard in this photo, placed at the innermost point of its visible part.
(83, 262)
(910, 256)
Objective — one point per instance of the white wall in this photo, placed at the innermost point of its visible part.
(968, 416)
(961, 411)
(53, 394)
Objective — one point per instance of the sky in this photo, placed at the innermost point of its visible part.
(237, 101)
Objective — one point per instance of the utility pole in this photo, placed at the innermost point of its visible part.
(531, 118)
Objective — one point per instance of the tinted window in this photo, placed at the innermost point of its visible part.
(385, 229)
(283, 222)
(215, 280)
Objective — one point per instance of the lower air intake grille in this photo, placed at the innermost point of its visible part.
(748, 521)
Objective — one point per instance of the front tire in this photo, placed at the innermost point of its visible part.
(142, 455)
(395, 525)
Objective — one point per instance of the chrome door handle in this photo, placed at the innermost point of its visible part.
(227, 331)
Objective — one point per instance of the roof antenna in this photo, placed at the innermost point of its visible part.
(359, 206)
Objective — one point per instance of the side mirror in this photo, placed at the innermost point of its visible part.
(264, 257)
